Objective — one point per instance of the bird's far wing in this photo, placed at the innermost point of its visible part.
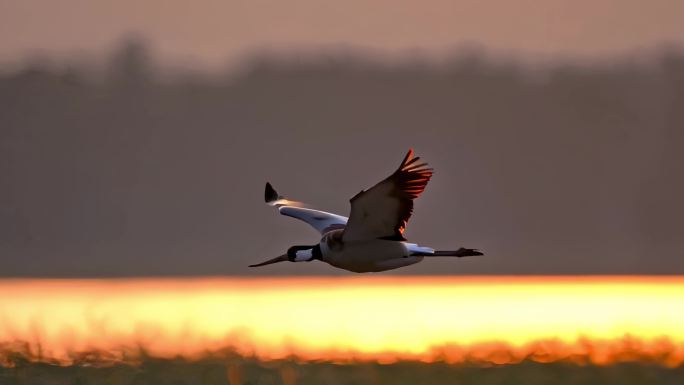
(319, 220)
(384, 210)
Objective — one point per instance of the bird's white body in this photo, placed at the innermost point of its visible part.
(367, 255)
(371, 239)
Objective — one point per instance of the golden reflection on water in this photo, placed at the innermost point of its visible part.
(499, 319)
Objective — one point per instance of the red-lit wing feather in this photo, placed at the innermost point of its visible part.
(384, 210)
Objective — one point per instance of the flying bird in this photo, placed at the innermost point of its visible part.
(372, 238)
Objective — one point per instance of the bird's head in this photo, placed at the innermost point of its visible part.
(295, 254)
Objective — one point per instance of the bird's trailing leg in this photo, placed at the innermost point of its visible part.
(462, 252)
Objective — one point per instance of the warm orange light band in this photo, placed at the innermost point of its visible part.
(385, 318)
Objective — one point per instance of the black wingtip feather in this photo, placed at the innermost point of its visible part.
(270, 194)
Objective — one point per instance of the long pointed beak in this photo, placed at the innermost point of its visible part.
(270, 261)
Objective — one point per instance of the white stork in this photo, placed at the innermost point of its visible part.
(371, 239)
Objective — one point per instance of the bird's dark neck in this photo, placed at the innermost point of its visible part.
(316, 253)
(304, 253)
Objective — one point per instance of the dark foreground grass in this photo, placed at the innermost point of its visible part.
(243, 371)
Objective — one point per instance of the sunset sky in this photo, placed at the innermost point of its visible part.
(214, 32)
(132, 197)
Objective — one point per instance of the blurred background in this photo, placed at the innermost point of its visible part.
(136, 137)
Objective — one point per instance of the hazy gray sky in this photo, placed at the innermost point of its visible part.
(210, 32)
(577, 171)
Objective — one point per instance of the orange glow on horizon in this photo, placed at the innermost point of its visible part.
(453, 319)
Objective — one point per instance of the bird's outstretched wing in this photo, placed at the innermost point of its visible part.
(319, 220)
(384, 210)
